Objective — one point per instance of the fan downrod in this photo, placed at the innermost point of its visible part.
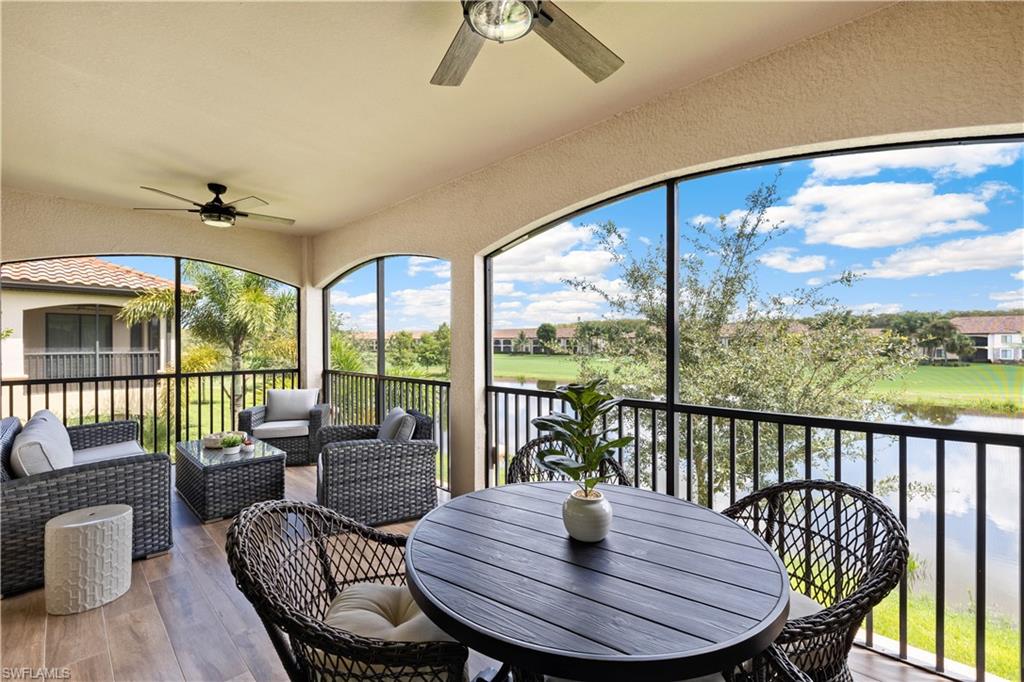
(216, 188)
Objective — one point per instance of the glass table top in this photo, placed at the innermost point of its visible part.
(207, 457)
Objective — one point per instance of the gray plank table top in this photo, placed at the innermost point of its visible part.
(675, 590)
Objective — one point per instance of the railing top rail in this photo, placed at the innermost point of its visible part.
(135, 377)
(852, 425)
(388, 377)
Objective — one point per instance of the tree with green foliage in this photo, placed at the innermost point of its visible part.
(738, 347)
(401, 351)
(522, 343)
(240, 312)
(936, 333)
(434, 349)
(960, 345)
(547, 334)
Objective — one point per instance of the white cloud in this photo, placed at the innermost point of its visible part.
(509, 305)
(783, 258)
(876, 308)
(991, 252)
(435, 266)
(507, 289)
(422, 308)
(1009, 299)
(561, 252)
(340, 297)
(945, 161)
(880, 213)
(815, 281)
(1018, 275)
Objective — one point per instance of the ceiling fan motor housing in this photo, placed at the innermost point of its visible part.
(485, 18)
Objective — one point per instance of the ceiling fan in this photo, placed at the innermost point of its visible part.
(215, 212)
(506, 20)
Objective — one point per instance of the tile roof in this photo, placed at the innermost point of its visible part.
(562, 331)
(989, 324)
(82, 272)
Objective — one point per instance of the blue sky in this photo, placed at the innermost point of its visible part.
(930, 228)
(935, 228)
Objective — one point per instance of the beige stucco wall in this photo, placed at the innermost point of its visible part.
(38, 226)
(909, 72)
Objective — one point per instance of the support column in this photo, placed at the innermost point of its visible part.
(468, 380)
(311, 326)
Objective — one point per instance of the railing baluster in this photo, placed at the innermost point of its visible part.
(903, 520)
(711, 462)
(732, 461)
(940, 555)
(782, 451)
(869, 480)
(981, 550)
(808, 454)
(838, 455)
(755, 455)
(689, 457)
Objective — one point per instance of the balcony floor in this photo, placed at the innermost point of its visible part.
(183, 618)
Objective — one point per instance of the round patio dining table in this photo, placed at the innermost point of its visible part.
(675, 590)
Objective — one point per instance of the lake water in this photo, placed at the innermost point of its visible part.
(1002, 509)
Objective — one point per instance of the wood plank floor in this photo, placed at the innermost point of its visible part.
(184, 619)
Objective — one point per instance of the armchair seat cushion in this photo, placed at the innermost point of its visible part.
(800, 605)
(43, 445)
(286, 428)
(99, 453)
(385, 612)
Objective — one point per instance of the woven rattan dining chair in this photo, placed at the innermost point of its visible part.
(290, 559)
(843, 548)
(524, 468)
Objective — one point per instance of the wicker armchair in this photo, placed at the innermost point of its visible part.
(843, 548)
(291, 559)
(300, 449)
(26, 504)
(524, 468)
(377, 481)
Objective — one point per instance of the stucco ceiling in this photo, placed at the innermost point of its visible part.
(325, 109)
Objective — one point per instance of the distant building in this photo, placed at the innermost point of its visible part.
(997, 338)
(62, 320)
(508, 340)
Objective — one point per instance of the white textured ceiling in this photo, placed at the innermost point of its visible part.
(325, 109)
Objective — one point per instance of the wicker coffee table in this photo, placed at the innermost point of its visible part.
(218, 486)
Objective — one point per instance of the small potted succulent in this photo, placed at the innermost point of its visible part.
(583, 448)
(231, 444)
(247, 444)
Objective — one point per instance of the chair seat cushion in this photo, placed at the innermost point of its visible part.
(43, 445)
(290, 403)
(99, 453)
(385, 612)
(801, 605)
(289, 428)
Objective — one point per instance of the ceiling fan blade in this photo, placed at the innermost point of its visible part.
(267, 218)
(459, 57)
(237, 203)
(188, 210)
(575, 43)
(173, 196)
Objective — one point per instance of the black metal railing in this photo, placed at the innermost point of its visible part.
(713, 455)
(80, 364)
(358, 398)
(169, 407)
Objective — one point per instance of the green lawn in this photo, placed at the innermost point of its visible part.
(976, 384)
(998, 388)
(1002, 648)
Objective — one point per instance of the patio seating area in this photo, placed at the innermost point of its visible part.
(183, 618)
(512, 341)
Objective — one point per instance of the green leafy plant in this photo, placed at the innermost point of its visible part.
(230, 441)
(585, 446)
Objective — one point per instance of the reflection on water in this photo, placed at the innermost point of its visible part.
(1002, 492)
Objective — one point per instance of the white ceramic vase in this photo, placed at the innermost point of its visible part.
(233, 450)
(587, 519)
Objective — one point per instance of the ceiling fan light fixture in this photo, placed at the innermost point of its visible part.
(500, 20)
(217, 219)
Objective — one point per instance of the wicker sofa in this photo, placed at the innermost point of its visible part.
(26, 504)
(300, 443)
(377, 481)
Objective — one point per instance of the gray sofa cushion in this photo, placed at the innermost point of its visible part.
(285, 404)
(392, 422)
(285, 428)
(128, 448)
(405, 429)
(43, 445)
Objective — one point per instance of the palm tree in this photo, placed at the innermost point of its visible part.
(936, 334)
(229, 308)
(960, 345)
(522, 344)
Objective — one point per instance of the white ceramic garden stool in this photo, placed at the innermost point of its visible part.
(88, 558)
